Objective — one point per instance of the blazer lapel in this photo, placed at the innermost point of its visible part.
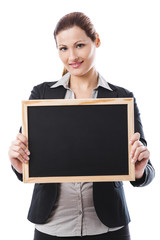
(55, 93)
(106, 93)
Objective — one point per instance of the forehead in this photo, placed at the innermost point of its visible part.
(71, 35)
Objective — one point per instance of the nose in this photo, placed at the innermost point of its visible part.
(73, 55)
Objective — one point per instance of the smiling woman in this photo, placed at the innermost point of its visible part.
(80, 52)
(77, 55)
(90, 210)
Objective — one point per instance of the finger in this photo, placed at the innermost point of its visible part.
(138, 151)
(17, 156)
(27, 151)
(22, 138)
(21, 151)
(17, 142)
(135, 137)
(134, 147)
(144, 155)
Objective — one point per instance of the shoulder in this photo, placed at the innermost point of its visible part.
(39, 90)
(122, 92)
(45, 84)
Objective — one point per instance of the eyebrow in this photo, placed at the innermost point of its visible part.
(73, 44)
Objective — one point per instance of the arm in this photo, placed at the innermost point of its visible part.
(144, 170)
(18, 153)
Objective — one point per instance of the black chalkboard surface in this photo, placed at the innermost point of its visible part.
(78, 140)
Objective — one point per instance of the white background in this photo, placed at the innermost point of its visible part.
(129, 56)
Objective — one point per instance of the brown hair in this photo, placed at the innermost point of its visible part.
(78, 19)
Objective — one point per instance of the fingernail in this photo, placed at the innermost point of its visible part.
(27, 151)
(27, 158)
(131, 154)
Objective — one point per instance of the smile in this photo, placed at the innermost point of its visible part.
(76, 64)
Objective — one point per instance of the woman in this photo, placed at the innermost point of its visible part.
(90, 210)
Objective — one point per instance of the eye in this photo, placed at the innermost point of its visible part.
(80, 45)
(63, 49)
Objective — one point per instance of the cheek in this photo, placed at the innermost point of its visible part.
(90, 54)
(62, 56)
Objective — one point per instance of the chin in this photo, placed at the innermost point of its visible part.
(78, 72)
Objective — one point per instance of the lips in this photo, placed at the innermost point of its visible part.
(76, 64)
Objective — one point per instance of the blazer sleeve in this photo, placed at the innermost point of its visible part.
(149, 172)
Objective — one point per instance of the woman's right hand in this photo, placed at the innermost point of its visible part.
(18, 152)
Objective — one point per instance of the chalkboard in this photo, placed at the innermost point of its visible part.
(78, 140)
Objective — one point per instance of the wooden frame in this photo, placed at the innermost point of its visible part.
(128, 102)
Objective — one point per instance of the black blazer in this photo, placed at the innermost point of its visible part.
(109, 198)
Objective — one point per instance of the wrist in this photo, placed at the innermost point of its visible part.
(139, 175)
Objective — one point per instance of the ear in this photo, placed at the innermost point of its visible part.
(98, 42)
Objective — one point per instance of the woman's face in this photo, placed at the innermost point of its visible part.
(76, 50)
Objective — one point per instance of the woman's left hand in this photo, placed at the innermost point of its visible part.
(139, 155)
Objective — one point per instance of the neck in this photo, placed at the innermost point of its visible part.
(85, 82)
